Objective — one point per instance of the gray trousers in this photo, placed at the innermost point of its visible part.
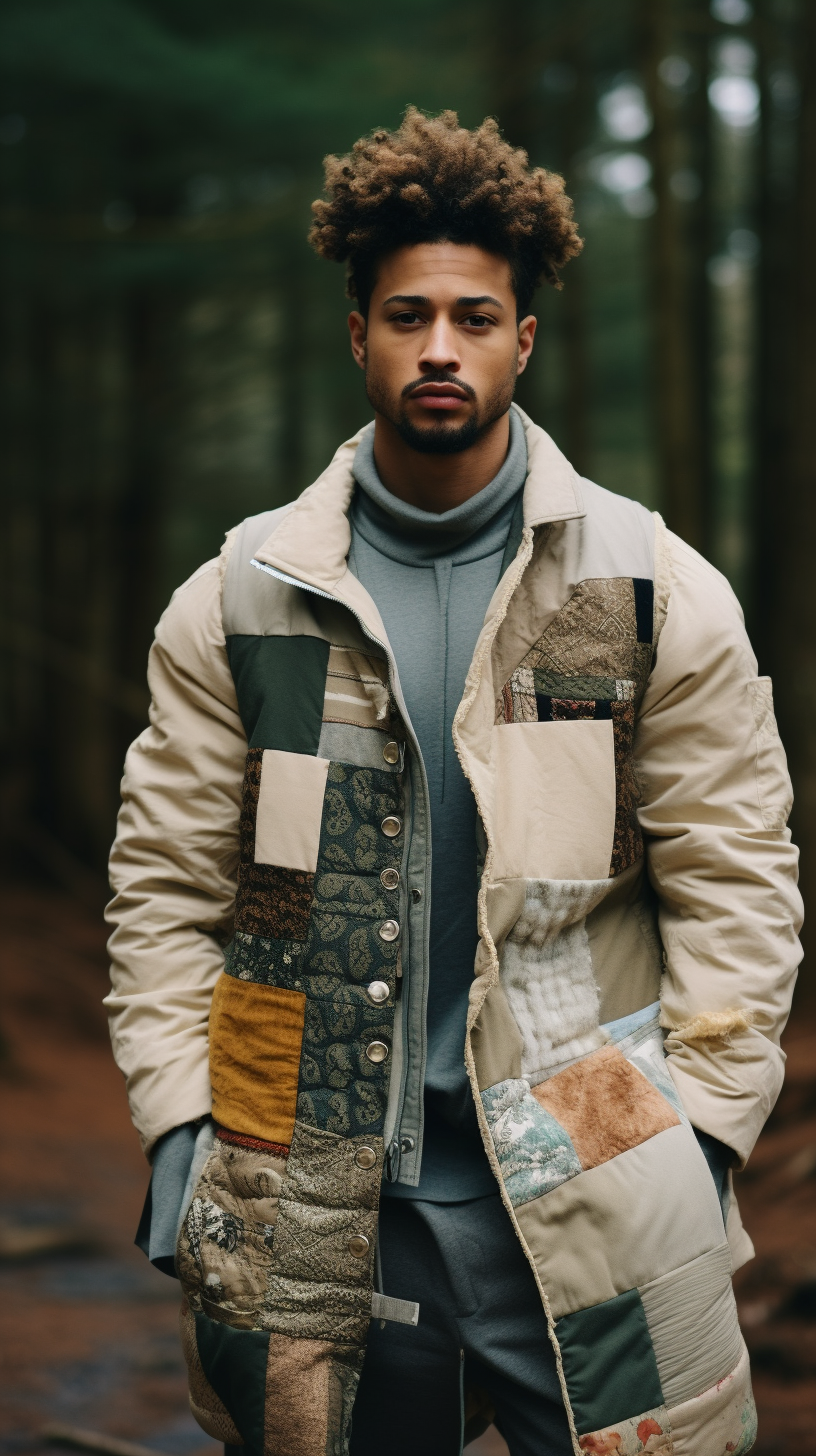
(481, 1324)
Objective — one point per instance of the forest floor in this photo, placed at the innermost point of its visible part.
(88, 1330)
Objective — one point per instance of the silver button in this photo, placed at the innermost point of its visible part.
(406, 1145)
(389, 930)
(389, 879)
(358, 1246)
(378, 991)
(365, 1157)
(391, 826)
(376, 1051)
(391, 752)
(416, 896)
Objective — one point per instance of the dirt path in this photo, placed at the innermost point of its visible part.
(89, 1337)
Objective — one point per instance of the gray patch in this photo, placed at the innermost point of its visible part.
(348, 743)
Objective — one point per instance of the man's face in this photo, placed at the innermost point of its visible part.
(442, 347)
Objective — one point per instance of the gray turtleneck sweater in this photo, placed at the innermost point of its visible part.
(432, 577)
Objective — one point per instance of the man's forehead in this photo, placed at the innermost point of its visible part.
(443, 272)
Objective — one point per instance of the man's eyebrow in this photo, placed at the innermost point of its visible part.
(474, 302)
(418, 300)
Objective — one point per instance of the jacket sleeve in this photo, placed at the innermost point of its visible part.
(174, 864)
(715, 801)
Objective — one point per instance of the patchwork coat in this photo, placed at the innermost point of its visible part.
(637, 916)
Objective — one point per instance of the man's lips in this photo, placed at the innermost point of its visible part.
(439, 396)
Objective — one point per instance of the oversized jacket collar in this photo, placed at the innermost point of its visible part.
(311, 542)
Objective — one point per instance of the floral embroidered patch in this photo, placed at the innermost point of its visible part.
(535, 1153)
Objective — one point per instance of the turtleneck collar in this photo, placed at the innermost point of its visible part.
(404, 531)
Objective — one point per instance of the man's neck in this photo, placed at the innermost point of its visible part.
(438, 482)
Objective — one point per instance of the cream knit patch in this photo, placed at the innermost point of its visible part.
(546, 972)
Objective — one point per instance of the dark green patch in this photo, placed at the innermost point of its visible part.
(609, 1362)
(280, 683)
(235, 1364)
(579, 688)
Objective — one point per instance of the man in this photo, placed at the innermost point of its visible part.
(455, 914)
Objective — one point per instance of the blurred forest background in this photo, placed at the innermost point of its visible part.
(174, 358)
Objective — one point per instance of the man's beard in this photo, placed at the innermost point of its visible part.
(440, 438)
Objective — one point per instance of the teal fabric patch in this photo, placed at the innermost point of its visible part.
(609, 1362)
(280, 683)
(234, 1362)
(535, 1152)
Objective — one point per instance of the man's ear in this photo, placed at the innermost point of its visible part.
(526, 334)
(358, 328)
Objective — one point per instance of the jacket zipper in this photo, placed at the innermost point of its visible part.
(393, 1152)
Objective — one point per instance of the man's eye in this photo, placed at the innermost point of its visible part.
(406, 318)
(477, 320)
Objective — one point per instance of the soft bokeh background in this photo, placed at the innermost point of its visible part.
(173, 358)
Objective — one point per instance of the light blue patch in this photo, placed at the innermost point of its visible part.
(645, 1020)
(535, 1153)
(649, 1058)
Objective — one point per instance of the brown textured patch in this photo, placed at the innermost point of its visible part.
(594, 634)
(627, 846)
(568, 710)
(310, 1391)
(606, 1105)
(270, 901)
(210, 1412)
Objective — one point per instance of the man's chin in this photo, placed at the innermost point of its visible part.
(440, 439)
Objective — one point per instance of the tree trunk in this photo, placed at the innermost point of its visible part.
(678, 305)
(786, 604)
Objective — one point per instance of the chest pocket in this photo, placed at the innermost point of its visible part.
(566, 796)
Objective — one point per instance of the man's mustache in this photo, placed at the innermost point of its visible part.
(440, 376)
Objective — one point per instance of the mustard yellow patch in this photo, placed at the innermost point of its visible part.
(256, 1034)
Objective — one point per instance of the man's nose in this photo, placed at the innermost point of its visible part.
(440, 349)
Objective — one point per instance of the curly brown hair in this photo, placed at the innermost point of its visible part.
(432, 180)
